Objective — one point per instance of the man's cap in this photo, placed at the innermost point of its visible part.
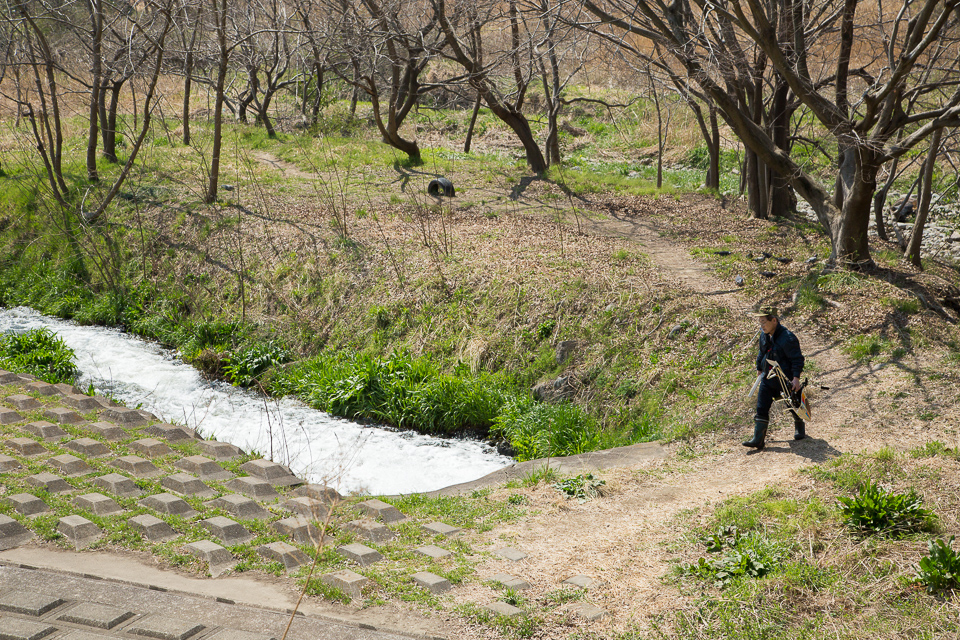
(764, 310)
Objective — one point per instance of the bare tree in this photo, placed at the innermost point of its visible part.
(388, 45)
(463, 27)
(263, 36)
(859, 104)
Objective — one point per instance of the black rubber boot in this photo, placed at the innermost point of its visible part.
(799, 429)
(759, 434)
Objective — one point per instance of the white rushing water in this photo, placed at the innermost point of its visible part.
(317, 446)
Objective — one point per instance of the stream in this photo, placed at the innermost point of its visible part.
(348, 456)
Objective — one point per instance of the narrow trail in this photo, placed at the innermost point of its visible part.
(627, 541)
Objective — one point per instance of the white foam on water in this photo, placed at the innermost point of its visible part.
(351, 457)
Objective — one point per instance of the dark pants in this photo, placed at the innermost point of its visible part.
(765, 397)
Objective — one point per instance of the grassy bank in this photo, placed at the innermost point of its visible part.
(348, 289)
(863, 550)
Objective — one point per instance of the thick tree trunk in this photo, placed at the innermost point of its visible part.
(713, 145)
(521, 127)
(756, 194)
(858, 175)
(249, 94)
(390, 134)
(781, 200)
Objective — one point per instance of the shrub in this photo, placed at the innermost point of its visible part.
(538, 430)
(875, 510)
(39, 352)
(399, 390)
(940, 570)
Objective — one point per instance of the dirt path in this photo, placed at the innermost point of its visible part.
(624, 540)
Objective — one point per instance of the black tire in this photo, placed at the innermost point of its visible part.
(441, 187)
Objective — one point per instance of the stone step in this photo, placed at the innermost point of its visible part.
(27, 504)
(172, 432)
(187, 485)
(50, 482)
(218, 559)
(23, 402)
(380, 509)
(137, 466)
(80, 531)
(9, 416)
(98, 504)
(69, 466)
(254, 488)
(153, 528)
(81, 402)
(12, 533)
(226, 530)
(432, 582)
(276, 474)
(25, 446)
(220, 450)
(89, 447)
(8, 463)
(169, 504)
(347, 581)
(299, 528)
(370, 530)
(118, 485)
(150, 447)
(123, 416)
(290, 556)
(240, 507)
(361, 554)
(42, 388)
(203, 467)
(510, 582)
(96, 615)
(62, 415)
(106, 430)
(47, 431)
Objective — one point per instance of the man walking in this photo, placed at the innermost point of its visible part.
(777, 343)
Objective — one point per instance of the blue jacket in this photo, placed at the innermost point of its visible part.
(784, 348)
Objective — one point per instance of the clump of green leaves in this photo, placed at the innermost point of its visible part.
(582, 487)
(245, 366)
(39, 352)
(940, 570)
(740, 560)
(541, 430)
(874, 510)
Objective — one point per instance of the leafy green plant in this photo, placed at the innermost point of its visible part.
(940, 569)
(739, 561)
(245, 366)
(582, 487)
(39, 352)
(876, 510)
(539, 430)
